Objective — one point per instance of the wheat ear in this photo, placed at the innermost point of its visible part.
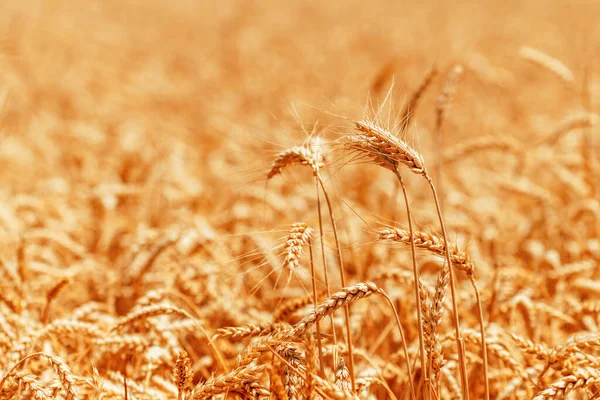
(183, 374)
(342, 376)
(434, 319)
(413, 103)
(243, 380)
(430, 242)
(62, 370)
(299, 235)
(389, 151)
(443, 104)
(297, 155)
(310, 154)
(249, 330)
(291, 381)
(550, 63)
(579, 379)
(343, 298)
(51, 295)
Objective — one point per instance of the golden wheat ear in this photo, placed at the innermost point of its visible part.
(183, 374)
(389, 151)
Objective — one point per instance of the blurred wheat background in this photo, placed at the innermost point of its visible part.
(147, 245)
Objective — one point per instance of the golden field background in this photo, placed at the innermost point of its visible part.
(136, 219)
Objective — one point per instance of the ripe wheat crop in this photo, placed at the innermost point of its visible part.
(299, 200)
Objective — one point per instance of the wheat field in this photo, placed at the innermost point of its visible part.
(299, 200)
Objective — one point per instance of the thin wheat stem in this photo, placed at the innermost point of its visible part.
(343, 282)
(459, 341)
(325, 275)
(316, 303)
(404, 345)
(483, 339)
(416, 283)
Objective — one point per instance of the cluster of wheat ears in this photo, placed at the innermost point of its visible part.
(381, 255)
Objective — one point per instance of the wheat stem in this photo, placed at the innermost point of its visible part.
(459, 341)
(316, 303)
(325, 274)
(416, 284)
(343, 282)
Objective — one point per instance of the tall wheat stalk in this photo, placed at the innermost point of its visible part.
(426, 387)
(389, 151)
(311, 154)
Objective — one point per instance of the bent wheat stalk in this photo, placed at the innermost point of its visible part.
(426, 386)
(343, 298)
(311, 155)
(389, 151)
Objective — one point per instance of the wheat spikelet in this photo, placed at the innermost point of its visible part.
(498, 143)
(539, 350)
(333, 391)
(579, 379)
(416, 96)
(586, 284)
(511, 388)
(433, 319)
(291, 381)
(385, 148)
(576, 343)
(342, 376)
(550, 63)
(525, 187)
(286, 309)
(58, 365)
(401, 276)
(383, 76)
(62, 329)
(250, 330)
(307, 154)
(574, 268)
(122, 344)
(576, 121)
(183, 373)
(299, 236)
(142, 262)
(30, 382)
(339, 299)
(445, 98)
(234, 381)
(502, 352)
(146, 312)
(429, 242)
(13, 303)
(453, 388)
